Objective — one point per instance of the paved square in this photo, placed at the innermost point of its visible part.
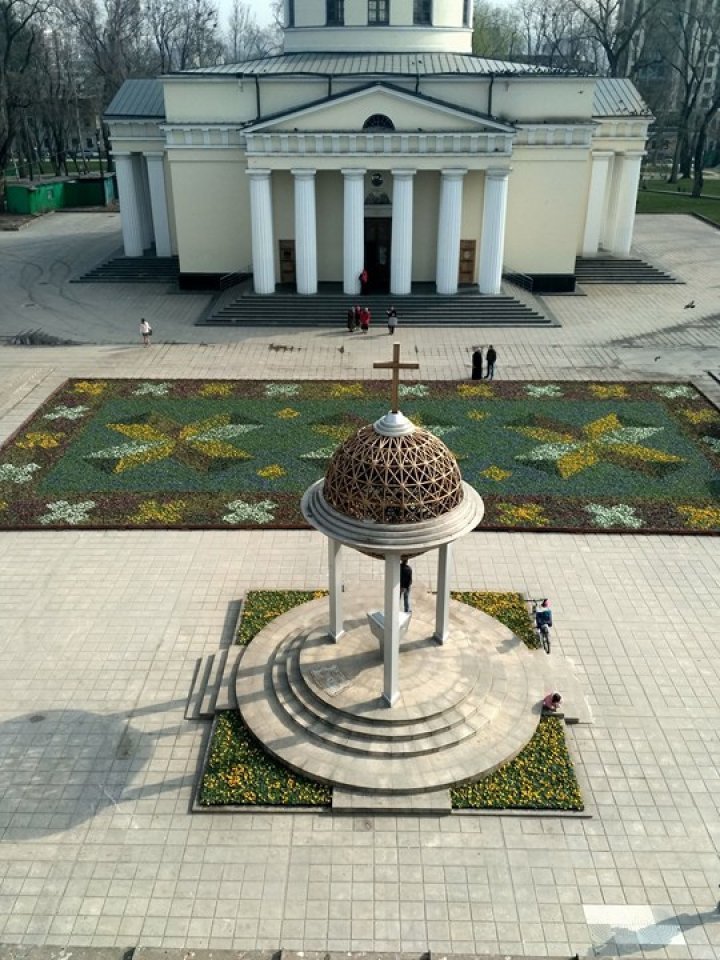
(100, 631)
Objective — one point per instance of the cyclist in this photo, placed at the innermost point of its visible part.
(543, 615)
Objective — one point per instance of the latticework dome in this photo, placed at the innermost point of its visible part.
(393, 479)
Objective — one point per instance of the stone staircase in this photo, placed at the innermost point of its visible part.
(145, 269)
(213, 684)
(615, 270)
(330, 310)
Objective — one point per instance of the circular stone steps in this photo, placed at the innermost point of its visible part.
(464, 708)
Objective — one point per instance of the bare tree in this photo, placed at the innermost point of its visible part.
(496, 31)
(19, 24)
(614, 25)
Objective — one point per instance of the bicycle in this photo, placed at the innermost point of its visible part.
(542, 630)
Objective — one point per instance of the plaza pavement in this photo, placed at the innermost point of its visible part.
(100, 631)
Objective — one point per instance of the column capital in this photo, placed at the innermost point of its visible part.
(453, 173)
(353, 173)
(602, 154)
(403, 174)
(256, 174)
(303, 173)
(498, 173)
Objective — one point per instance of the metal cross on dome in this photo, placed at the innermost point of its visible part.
(396, 366)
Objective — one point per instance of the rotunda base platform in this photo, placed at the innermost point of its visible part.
(465, 707)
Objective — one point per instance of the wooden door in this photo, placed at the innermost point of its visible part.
(287, 261)
(467, 261)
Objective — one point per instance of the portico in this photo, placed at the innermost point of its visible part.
(424, 165)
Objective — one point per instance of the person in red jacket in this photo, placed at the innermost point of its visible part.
(363, 281)
(364, 319)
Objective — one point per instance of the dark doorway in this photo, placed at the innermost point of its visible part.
(378, 231)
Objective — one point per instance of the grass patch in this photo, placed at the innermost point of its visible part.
(541, 777)
(240, 773)
(197, 454)
(668, 201)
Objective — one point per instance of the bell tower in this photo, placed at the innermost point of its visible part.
(378, 26)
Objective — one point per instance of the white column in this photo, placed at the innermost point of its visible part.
(337, 627)
(607, 231)
(263, 245)
(158, 203)
(628, 182)
(129, 204)
(305, 232)
(141, 179)
(391, 643)
(597, 194)
(449, 226)
(402, 233)
(353, 230)
(442, 601)
(492, 242)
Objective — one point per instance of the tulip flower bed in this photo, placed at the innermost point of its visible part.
(240, 773)
(636, 457)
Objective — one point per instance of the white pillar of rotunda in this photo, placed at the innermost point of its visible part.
(442, 601)
(263, 247)
(158, 203)
(353, 230)
(492, 243)
(391, 642)
(607, 231)
(402, 233)
(305, 232)
(141, 178)
(449, 227)
(628, 180)
(337, 626)
(130, 220)
(597, 193)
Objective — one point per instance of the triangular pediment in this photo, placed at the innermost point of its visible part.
(406, 111)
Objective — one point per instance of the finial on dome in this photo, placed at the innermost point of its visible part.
(394, 424)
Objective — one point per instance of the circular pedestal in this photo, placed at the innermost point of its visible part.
(464, 708)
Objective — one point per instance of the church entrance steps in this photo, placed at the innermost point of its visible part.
(330, 310)
(615, 270)
(145, 269)
(465, 707)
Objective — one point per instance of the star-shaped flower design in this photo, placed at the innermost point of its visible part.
(568, 450)
(205, 445)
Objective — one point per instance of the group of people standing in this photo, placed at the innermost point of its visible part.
(477, 363)
(358, 318)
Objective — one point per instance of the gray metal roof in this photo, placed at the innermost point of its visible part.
(372, 64)
(616, 97)
(137, 99)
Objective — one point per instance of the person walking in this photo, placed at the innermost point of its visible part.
(364, 281)
(392, 319)
(491, 360)
(405, 583)
(364, 319)
(358, 314)
(477, 364)
(145, 331)
(350, 320)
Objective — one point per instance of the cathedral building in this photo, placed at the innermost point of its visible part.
(377, 141)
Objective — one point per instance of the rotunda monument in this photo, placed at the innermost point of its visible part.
(449, 694)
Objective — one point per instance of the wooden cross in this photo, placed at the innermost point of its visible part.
(396, 367)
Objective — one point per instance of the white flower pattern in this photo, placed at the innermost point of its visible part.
(543, 390)
(64, 412)
(243, 512)
(152, 389)
(62, 511)
(9, 473)
(281, 390)
(617, 515)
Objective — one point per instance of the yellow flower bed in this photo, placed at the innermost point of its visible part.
(152, 511)
(41, 440)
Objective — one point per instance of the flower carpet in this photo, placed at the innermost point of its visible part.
(238, 771)
(635, 457)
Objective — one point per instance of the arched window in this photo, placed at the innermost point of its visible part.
(378, 121)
